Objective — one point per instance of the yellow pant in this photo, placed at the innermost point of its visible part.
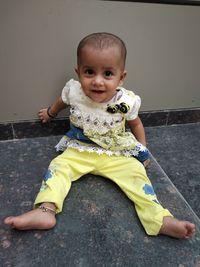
(128, 173)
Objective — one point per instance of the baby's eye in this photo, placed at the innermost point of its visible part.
(108, 73)
(89, 71)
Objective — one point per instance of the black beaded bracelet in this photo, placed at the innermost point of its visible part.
(51, 116)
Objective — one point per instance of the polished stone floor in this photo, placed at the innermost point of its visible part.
(98, 225)
(176, 148)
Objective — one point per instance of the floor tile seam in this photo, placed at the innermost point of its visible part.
(173, 125)
(14, 140)
(177, 191)
(13, 131)
(30, 138)
(167, 118)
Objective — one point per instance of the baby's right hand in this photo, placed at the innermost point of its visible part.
(43, 116)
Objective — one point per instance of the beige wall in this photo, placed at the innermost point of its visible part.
(38, 40)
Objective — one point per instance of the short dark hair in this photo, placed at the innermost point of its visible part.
(101, 40)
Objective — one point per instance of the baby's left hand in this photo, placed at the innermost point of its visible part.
(43, 116)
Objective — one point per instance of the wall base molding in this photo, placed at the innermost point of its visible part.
(31, 129)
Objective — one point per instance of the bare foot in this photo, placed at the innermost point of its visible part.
(34, 219)
(175, 228)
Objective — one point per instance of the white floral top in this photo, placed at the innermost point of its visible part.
(105, 128)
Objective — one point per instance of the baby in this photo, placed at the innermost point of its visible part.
(99, 143)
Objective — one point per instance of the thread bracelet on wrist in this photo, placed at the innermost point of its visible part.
(49, 114)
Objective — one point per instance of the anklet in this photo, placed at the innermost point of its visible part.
(47, 209)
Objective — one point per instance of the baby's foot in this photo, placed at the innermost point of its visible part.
(175, 228)
(34, 219)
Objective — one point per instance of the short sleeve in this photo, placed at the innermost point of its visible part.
(66, 91)
(133, 113)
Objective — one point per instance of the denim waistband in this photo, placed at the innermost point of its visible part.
(77, 133)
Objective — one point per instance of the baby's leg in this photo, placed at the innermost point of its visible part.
(175, 228)
(71, 164)
(133, 180)
(39, 218)
(55, 186)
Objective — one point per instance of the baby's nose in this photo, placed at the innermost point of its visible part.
(98, 80)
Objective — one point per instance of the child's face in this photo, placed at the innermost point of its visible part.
(100, 72)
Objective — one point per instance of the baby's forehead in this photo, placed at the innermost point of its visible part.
(108, 52)
(102, 41)
(100, 50)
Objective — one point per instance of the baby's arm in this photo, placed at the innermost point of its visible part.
(137, 130)
(46, 114)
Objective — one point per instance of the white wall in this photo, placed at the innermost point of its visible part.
(38, 40)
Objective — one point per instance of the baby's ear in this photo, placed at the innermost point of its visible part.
(123, 76)
(76, 70)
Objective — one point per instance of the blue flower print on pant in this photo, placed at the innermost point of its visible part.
(148, 190)
(49, 174)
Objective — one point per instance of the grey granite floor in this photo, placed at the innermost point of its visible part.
(98, 225)
(177, 150)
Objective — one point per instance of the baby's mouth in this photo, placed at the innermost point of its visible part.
(97, 91)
